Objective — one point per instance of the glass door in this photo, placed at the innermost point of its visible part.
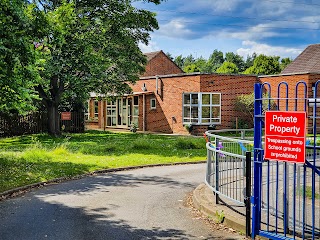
(122, 110)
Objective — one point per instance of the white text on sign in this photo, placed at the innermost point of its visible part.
(281, 129)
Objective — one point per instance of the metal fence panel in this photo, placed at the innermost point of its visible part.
(286, 196)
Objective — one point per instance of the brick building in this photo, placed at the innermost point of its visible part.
(167, 100)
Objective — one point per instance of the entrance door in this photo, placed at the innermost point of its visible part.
(122, 106)
(123, 112)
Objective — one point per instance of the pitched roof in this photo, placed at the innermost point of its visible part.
(151, 55)
(307, 61)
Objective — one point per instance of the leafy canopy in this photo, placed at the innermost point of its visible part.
(16, 58)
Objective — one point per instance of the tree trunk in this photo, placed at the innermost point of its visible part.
(53, 120)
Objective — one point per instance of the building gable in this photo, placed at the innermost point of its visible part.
(158, 63)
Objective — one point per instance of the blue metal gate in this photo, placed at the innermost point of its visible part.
(286, 196)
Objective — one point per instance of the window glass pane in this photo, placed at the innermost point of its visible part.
(216, 99)
(135, 111)
(186, 112)
(186, 120)
(135, 100)
(194, 98)
(206, 99)
(186, 98)
(215, 112)
(194, 120)
(109, 121)
(205, 120)
(153, 103)
(135, 121)
(206, 112)
(215, 120)
(194, 112)
(114, 121)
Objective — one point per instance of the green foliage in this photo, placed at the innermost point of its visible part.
(244, 105)
(220, 216)
(284, 63)
(87, 46)
(228, 67)
(191, 68)
(215, 60)
(16, 58)
(29, 159)
(232, 63)
(264, 65)
(237, 60)
(179, 60)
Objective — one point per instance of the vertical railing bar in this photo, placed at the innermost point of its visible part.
(237, 177)
(285, 167)
(295, 165)
(314, 157)
(217, 170)
(294, 199)
(256, 217)
(277, 190)
(209, 162)
(248, 193)
(304, 203)
(268, 195)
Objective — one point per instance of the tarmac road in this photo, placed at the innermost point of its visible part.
(145, 203)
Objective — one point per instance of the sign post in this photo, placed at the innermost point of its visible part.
(285, 136)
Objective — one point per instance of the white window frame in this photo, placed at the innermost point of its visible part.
(96, 107)
(199, 105)
(155, 103)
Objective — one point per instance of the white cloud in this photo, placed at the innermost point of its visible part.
(151, 47)
(176, 28)
(254, 47)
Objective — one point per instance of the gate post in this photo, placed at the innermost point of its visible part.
(258, 157)
(248, 193)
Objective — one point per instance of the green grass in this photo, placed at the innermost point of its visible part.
(29, 159)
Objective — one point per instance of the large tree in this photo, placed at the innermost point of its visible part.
(87, 45)
(236, 59)
(215, 60)
(228, 67)
(264, 65)
(16, 58)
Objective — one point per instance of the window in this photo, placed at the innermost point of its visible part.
(111, 113)
(153, 103)
(87, 110)
(201, 108)
(135, 114)
(96, 109)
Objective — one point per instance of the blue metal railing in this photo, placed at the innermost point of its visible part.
(286, 196)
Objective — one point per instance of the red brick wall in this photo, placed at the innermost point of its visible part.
(167, 117)
(161, 65)
(230, 86)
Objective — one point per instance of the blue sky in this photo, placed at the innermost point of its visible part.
(272, 27)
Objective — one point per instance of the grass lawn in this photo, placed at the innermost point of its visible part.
(29, 159)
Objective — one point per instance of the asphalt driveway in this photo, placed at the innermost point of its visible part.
(145, 203)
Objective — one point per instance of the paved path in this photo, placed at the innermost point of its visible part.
(145, 203)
